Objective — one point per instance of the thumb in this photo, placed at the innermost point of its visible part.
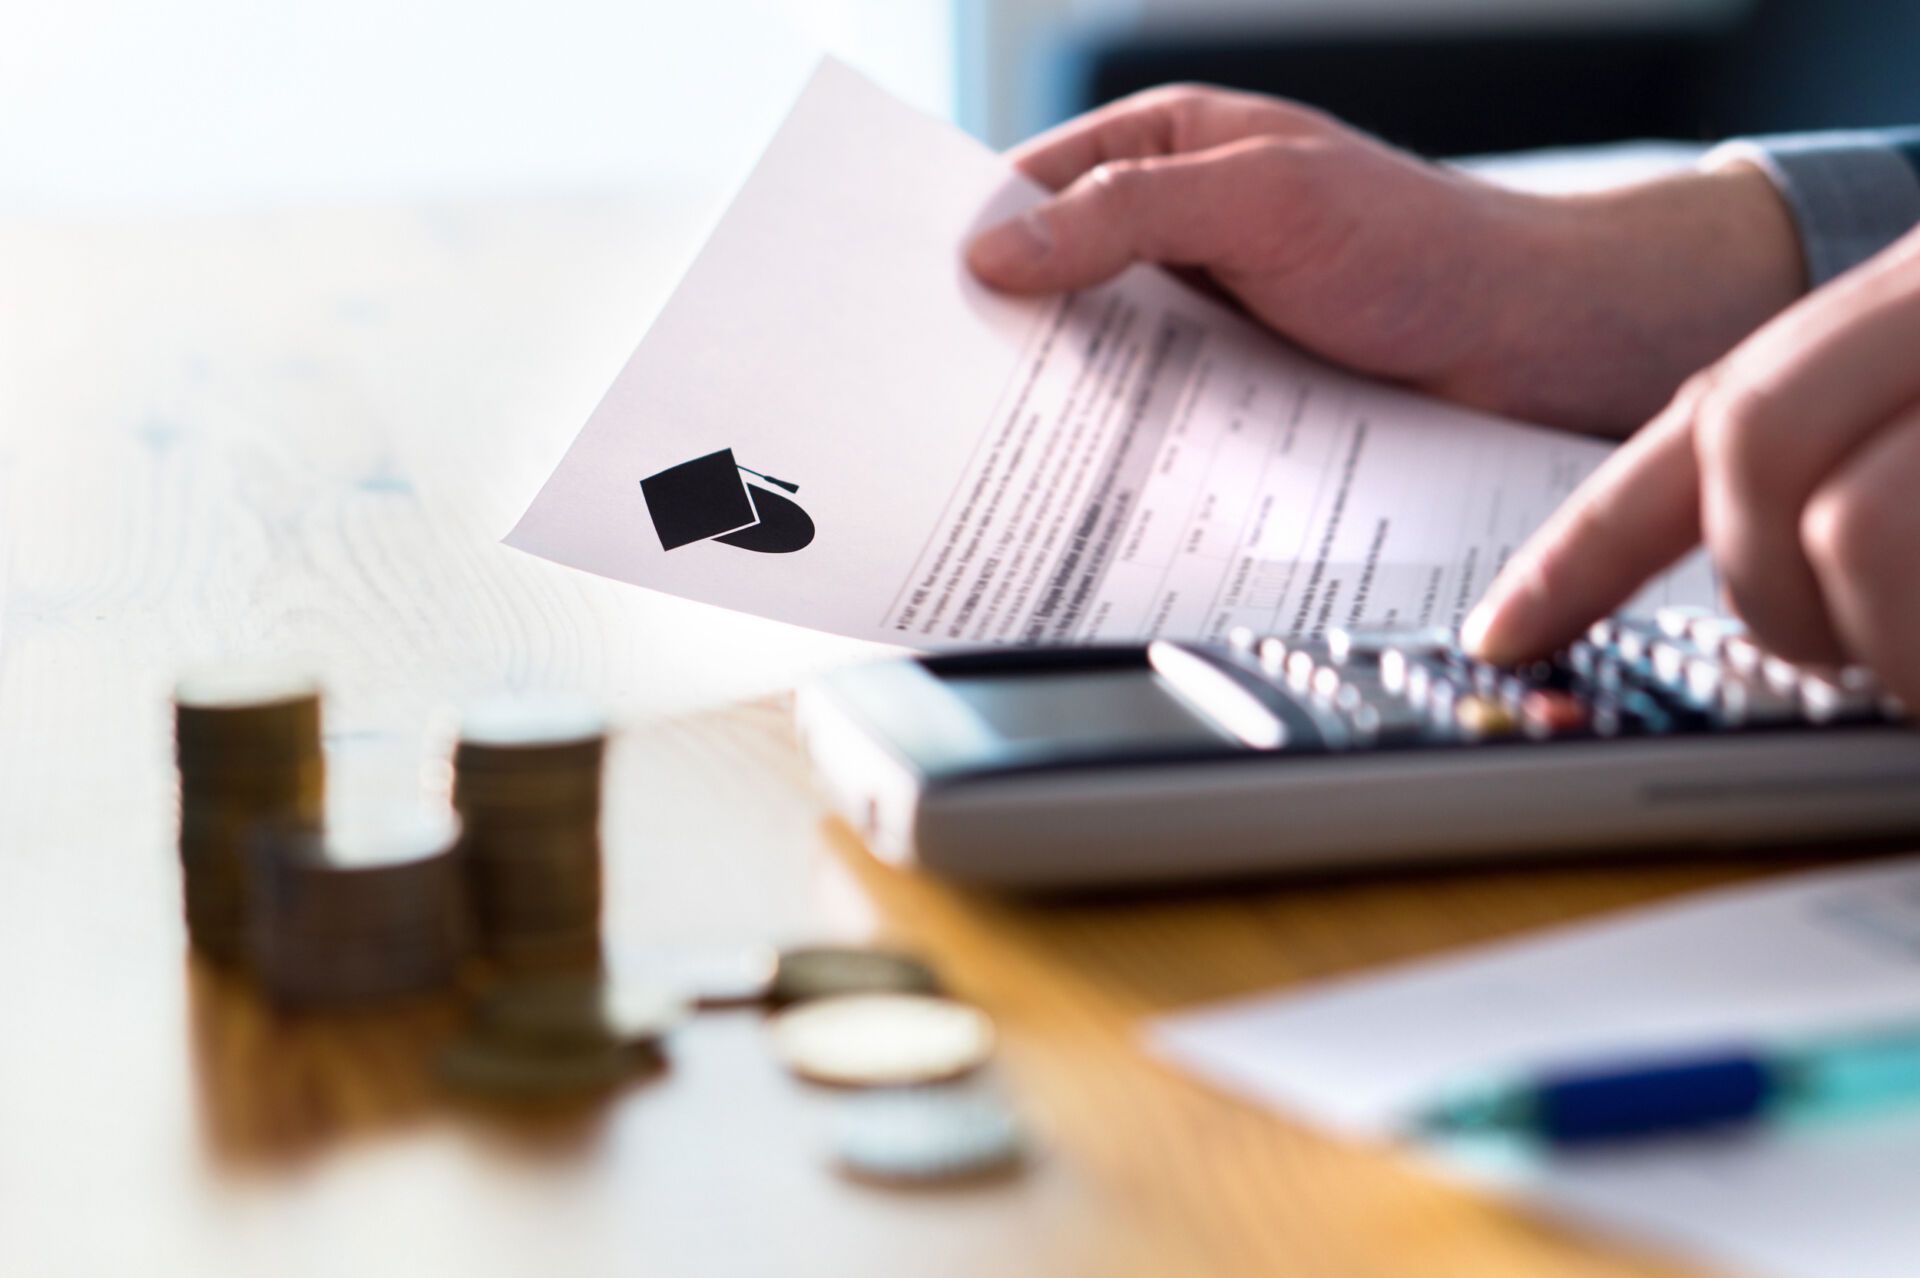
(1181, 210)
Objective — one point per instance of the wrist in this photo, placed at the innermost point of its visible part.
(1615, 298)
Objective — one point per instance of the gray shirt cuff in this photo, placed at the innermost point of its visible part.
(1852, 192)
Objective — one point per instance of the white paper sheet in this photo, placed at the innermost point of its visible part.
(1811, 952)
(1130, 461)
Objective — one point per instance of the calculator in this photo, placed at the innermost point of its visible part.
(1105, 766)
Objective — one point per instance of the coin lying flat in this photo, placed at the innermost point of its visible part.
(569, 1013)
(917, 1135)
(878, 1040)
(502, 1070)
(826, 971)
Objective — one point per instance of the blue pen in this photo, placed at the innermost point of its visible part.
(1637, 1097)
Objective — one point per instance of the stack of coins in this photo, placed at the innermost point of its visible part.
(248, 747)
(527, 784)
(373, 907)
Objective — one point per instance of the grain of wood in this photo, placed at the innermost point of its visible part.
(302, 434)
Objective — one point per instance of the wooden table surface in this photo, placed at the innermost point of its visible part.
(301, 435)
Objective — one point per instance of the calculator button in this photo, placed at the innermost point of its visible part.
(1749, 703)
(1702, 678)
(1241, 638)
(1836, 696)
(1347, 698)
(1608, 674)
(1483, 719)
(1711, 634)
(1677, 621)
(1325, 683)
(1631, 713)
(1386, 723)
(1780, 675)
(1548, 712)
(1514, 689)
(1485, 679)
(1742, 655)
(1633, 639)
(1428, 681)
(1273, 656)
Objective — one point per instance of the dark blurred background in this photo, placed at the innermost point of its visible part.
(1462, 76)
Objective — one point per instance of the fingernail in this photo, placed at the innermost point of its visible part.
(1011, 247)
(1473, 632)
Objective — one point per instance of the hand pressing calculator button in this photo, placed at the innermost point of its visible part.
(1362, 746)
(1664, 676)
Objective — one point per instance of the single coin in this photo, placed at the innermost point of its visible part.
(826, 971)
(511, 1072)
(244, 714)
(567, 1012)
(880, 1040)
(242, 685)
(919, 1135)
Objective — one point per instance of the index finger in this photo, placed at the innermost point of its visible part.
(1632, 518)
(1168, 121)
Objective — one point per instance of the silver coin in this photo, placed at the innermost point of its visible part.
(825, 971)
(882, 1040)
(925, 1134)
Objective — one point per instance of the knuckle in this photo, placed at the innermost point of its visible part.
(1175, 110)
(1741, 432)
(1176, 96)
(1115, 184)
(1853, 535)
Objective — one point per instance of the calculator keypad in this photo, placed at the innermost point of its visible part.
(1683, 670)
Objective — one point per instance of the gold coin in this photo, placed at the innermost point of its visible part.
(826, 971)
(881, 1040)
(241, 712)
(531, 722)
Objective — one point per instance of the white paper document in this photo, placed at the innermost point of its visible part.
(832, 423)
(1818, 952)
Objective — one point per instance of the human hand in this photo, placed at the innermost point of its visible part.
(1796, 459)
(1582, 311)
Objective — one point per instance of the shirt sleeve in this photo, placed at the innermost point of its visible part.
(1852, 192)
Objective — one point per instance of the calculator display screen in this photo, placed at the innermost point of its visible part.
(1125, 711)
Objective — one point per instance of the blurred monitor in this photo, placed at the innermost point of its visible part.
(1457, 76)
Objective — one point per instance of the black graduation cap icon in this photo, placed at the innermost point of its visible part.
(707, 499)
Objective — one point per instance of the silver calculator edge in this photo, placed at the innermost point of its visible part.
(1114, 826)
